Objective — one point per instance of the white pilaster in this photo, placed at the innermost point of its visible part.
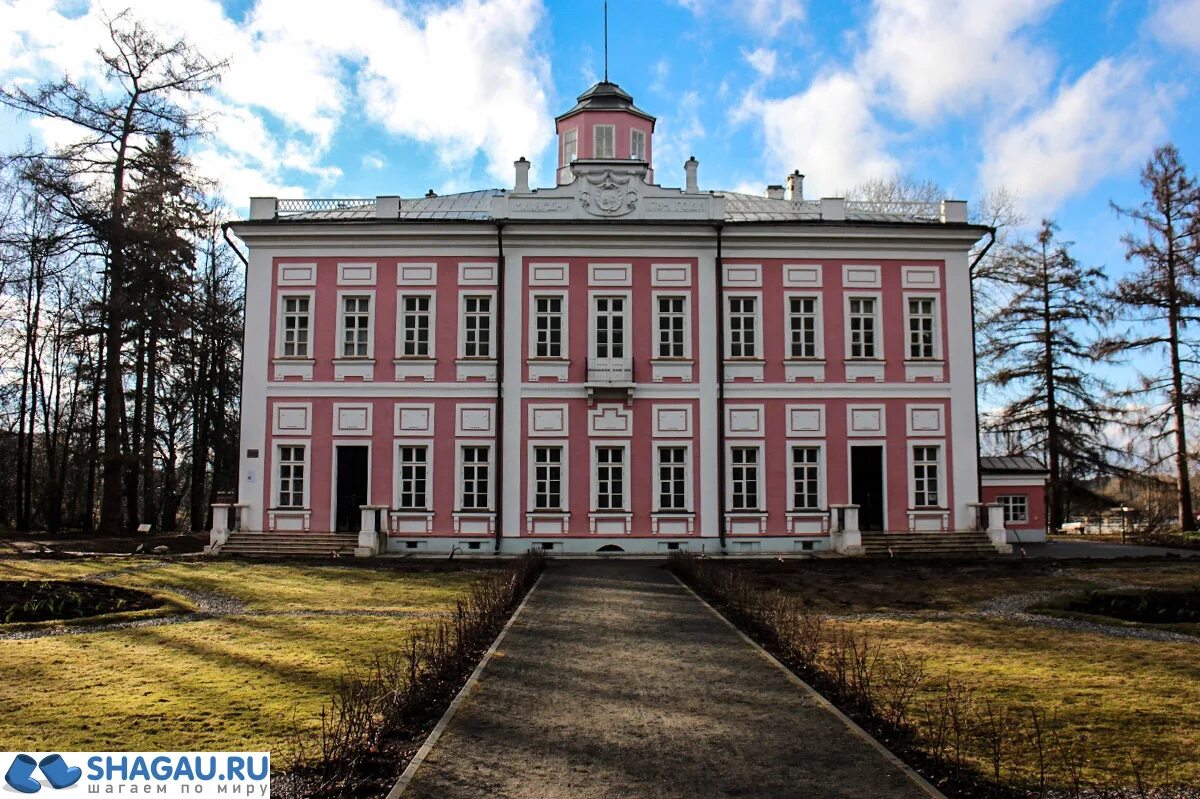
(707, 357)
(960, 360)
(256, 364)
(514, 324)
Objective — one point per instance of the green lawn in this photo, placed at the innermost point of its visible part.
(241, 682)
(1128, 699)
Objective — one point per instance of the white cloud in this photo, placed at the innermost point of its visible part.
(1177, 23)
(827, 131)
(1107, 120)
(374, 161)
(762, 60)
(931, 57)
(766, 17)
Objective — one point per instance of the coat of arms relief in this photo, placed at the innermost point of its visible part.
(609, 194)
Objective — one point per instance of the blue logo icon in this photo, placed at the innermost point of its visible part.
(20, 774)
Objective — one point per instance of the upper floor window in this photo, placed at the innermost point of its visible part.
(862, 327)
(476, 476)
(603, 141)
(922, 324)
(291, 476)
(1016, 507)
(570, 146)
(548, 327)
(610, 327)
(802, 327)
(547, 478)
(295, 327)
(806, 478)
(637, 145)
(356, 327)
(743, 473)
(477, 327)
(743, 321)
(925, 476)
(414, 478)
(672, 478)
(672, 330)
(415, 324)
(610, 478)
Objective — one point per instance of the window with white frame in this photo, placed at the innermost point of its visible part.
(672, 327)
(743, 473)
(296, 323)
(922, 324)
(476, 474)
(1016, 507)
(415, 325)
(603, 141)
(414, 478)
(610, 327)
(802, 327)
(637, 145)
(570, 146)
(547, 478)
(548, 327)
(291, 476)
(477, 327)
(356, 327)
(672, 478)
(862, 327)
(610, 478)
(806, 478)
(925, 476)
(743, 323)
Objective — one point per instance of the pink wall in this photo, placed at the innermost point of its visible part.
(622, 123)
(1035, 491)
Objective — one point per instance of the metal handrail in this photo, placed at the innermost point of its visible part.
(610, 370)
(304, 206)
(915, 209)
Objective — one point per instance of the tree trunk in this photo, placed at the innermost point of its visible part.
(149, 511)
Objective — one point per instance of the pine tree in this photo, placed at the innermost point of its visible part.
(1040, 357)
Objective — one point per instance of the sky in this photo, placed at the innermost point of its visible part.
(1059, 102)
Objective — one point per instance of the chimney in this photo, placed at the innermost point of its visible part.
(522, 167)
(689, 169)
(775, 191)
(795, 184)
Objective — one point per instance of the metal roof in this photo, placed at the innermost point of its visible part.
(477, 205)
(1011, 463)
(605, 96)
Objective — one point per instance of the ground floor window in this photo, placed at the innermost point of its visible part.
(547, 478)
(476, 473)
(806, 478)
(672, 478)
(743, 473)
(610, 478)
(414, 478)
(925, 477)
(1016, 507)
(291, 476)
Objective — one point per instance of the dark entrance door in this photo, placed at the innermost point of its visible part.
(351, 488)
(866, 486)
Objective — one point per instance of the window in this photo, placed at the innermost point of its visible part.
(548, 327)
(415, 325)
(295, 327)
(547, 478)
(291, 476)
(570, 146)
(743, 319)
(672, 478)
(610, 327)
(477, 327)
(862, 327)
(610, 478)
(921, 327)
(637, 145)
(802, 324)
(925, 477)
(806, 478)
(603, 137)
(671, 327)
(356, 326)
(744, 473)
(1016, 507)
(475, 475)
(414, 478)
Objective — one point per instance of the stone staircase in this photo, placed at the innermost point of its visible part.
(955, 543)
(290, 544)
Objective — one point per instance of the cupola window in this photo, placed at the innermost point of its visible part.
(604, 142)
(637, 145)
(570, 146)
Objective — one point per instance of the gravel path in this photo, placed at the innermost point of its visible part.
(616, 682)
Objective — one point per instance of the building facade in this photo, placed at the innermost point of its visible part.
(607, 364)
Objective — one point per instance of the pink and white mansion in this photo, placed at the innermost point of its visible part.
(608, 365)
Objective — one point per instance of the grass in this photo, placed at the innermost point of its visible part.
(1130, 699)
(234, 683)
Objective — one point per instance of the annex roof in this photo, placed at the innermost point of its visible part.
(1011, 464)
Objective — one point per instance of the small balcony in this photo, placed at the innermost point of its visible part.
(609, 377)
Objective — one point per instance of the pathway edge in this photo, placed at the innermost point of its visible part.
(853, 726)
(410, 771)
